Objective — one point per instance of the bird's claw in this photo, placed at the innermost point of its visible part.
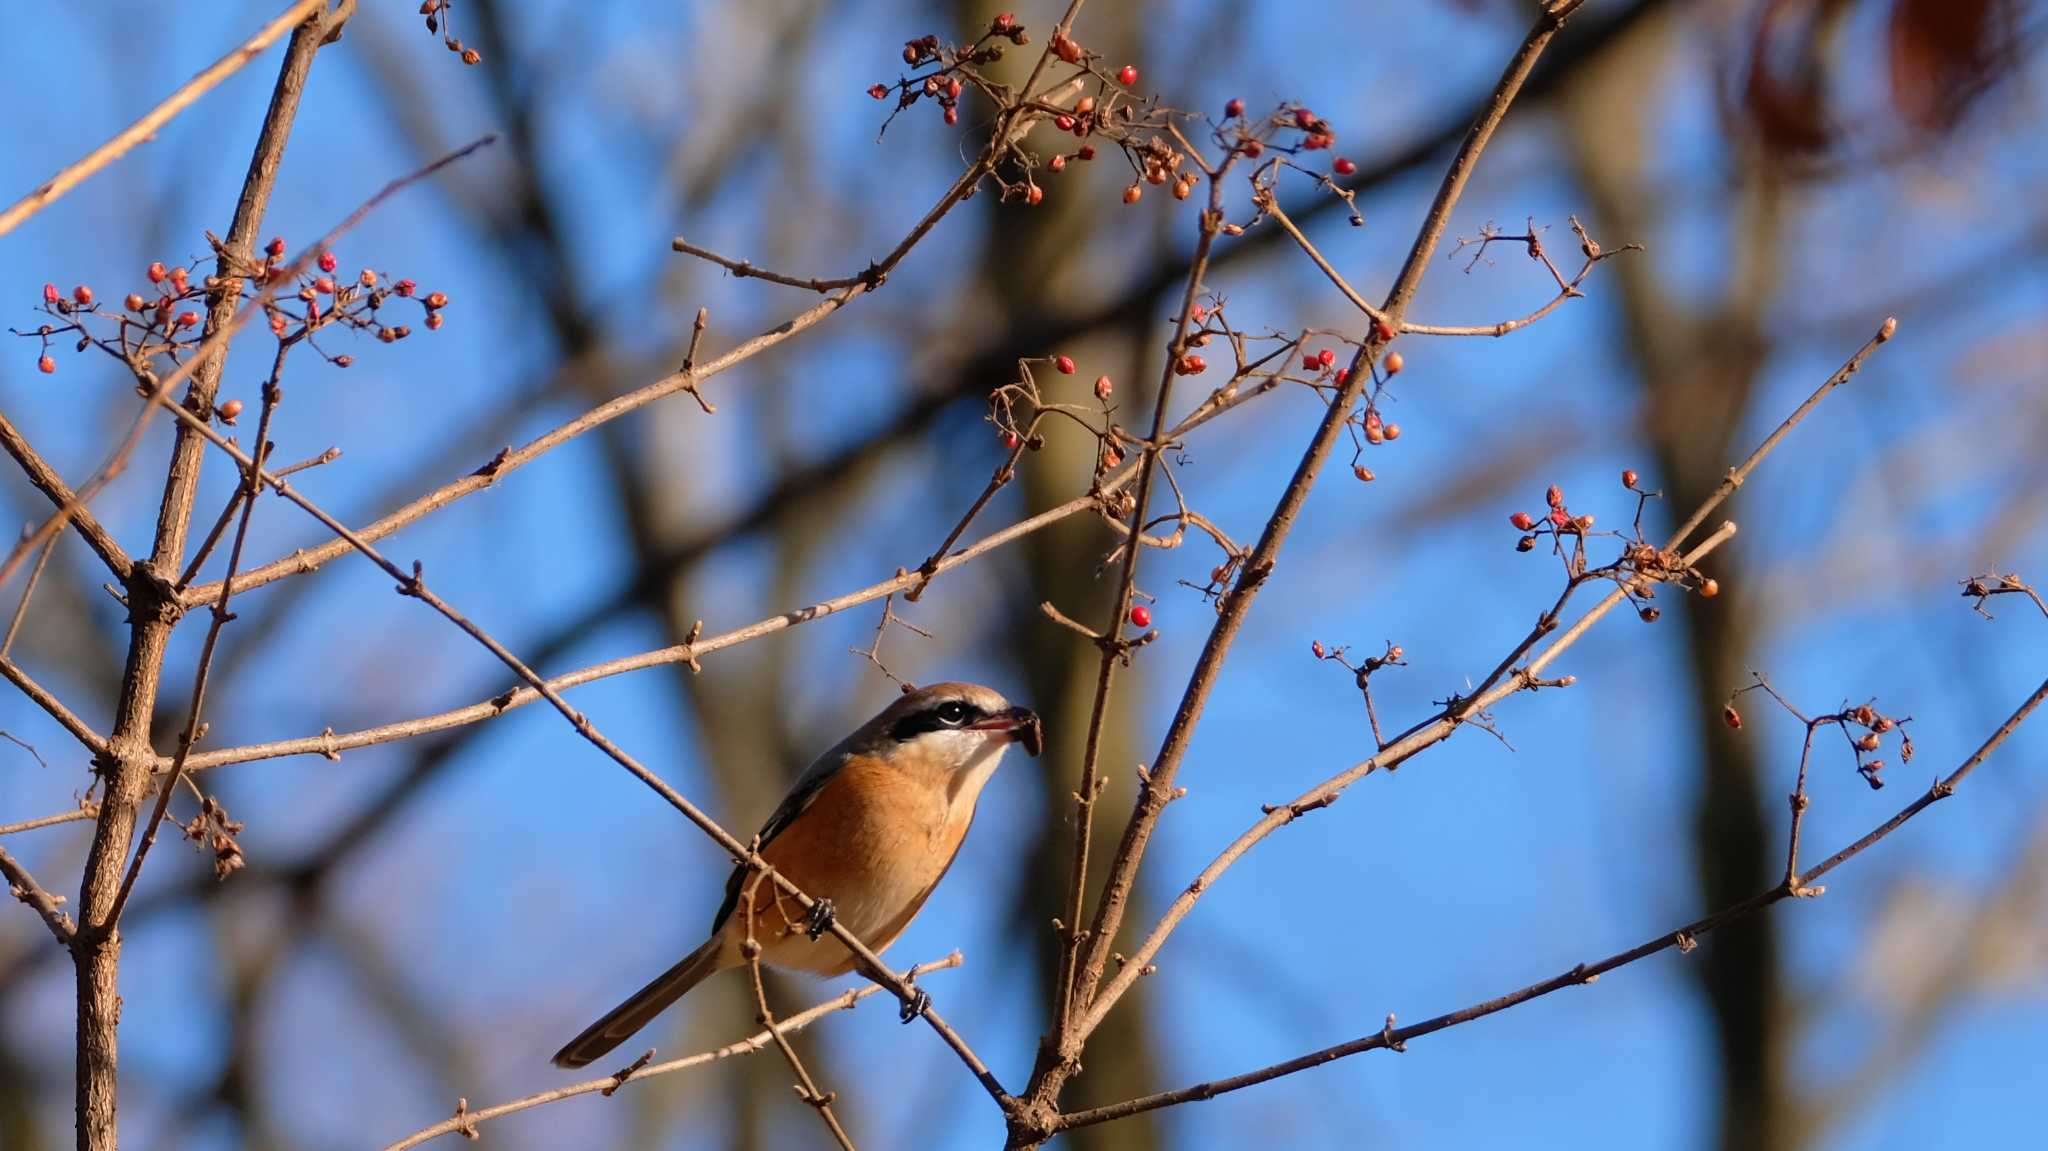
(919, 1001)
(818, 920)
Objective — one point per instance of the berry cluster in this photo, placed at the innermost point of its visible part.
(1863, 727)
(954, 68)
(163, 322)
(1641, 565)
(440, 20)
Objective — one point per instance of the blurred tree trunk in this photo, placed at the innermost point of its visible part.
(1698, 365)
(1035, 262)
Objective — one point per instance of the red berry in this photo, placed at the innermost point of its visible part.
(1554, 496)
(879, 92)
(51, 295)
(1193, 365)
(343, 361)
(1251, 149)
(1102, 387)
(1317, 141)
(1304, 119)
(1087, 152)
(231, 409)
(1523, 521)
(1710, 588)
(1363, 473)
(1034, 194)
(404, 287)
(1309, 363)
(1127, 75)
(46, 365)
(1003, 22)
(324, 285)
(133, 303)
(1316, 648)
(1141, 616)
(434, 321)
(1384, 330)
(1628, 478)
(157, 272)
(1583, 523)
(1343, 167)
(1197, 313)
(1394, 363)
(1393, 431)
(1731, 717)
(1011, 441)
(180, 280)
(1132, 193)
(436, 300)
(276, 247)
(1233, 110)
(1559, 519)
(83, 295)
(1326, 357)
(327, 262)
(187, 319)
(1063, 122)
(277, 323)
(1057, 164)
(1065, 364)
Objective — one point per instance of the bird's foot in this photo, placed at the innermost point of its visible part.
(916, 1005)
(818, 920)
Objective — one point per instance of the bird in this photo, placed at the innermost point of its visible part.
(867, 831)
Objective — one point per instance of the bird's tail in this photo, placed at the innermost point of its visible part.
(643, 1005)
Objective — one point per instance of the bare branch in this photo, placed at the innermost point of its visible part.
(467, 1120)
(146, 128)
(1683, 939)
(23, 886)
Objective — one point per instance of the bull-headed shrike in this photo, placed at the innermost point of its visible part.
(868, 831)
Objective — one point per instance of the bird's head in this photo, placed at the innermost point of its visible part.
(956, 727)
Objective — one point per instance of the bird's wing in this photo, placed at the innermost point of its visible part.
(794, 804)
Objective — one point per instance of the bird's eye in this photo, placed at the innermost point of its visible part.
(952, 713)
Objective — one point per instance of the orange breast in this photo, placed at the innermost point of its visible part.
(875, 841)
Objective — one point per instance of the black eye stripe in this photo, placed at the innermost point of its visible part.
(947, 716)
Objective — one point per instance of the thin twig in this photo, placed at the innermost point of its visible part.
(466, 1121)
(84, 811)
(1683, 939)
(146, 128)
(80, 730)
(806, 1087)
(272, 393)
(46, 479)
(23, 886)
(1056, 1066)
(1739, 473)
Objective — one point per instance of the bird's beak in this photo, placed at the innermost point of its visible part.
(1023, 726)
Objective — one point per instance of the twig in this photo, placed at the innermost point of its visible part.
(683, 381)
(330, 744)
(272, 393)
(1403, 748)
(80, 730)
(467, 1121)
(1738, 474)
(85, 811)
(147, 127)
(806, 1087)
(1059, 1060)
(28, 591)
(23, 886)
(46, 479)
(1683, 939)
